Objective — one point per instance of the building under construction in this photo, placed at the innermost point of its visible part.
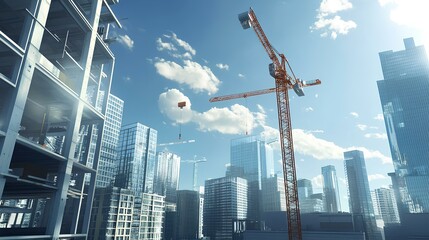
(55, 75)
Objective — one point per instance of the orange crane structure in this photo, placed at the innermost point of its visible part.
(283, 82)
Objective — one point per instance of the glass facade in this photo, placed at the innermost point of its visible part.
(136, 158)
(404, 96)
(360, 202)
(330, 189)
(225, 200)
(250, 155)
(167, 172)
(106, 169)
(273, 194)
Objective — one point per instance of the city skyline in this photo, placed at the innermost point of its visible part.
(151, 95)
(97, 115)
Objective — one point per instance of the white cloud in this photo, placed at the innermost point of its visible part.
(343, 180)
(330, 23)
(309, 109)
(186, 46)
(334, 26)
(161, 46)
(241, 75)
(376, 176)
(307, 144)
(222, 66)
(168, 101)
(316, 95)
(376, 135)
(172, 46)
(362, 127)
(126, 41)
(333, 6)
(354, 114)
(411, 13)
(234, 120)
(317, 181)
(315, 131)
(198, 78)
(379, 117)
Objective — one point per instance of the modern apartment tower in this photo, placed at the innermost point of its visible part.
(386, 205)
(250, 155)
(167, 170)
(136, 158)
(225, 201)
(55, 75)
(330, 189)
(112, 213)
(360, 202)
(404, 96)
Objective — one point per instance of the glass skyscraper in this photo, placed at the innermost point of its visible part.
(360, 201)
(404, 96)
(330, 189)
(136, 158)
(250, 155)
(106, 169)
(167, 169)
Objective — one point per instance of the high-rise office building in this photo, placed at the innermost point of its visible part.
(167, 170)
(385, 205)
(55, 74)
(225, 200)
(305, 188)
(360, 202)
(250, 155)
(273, 194)
(187, 214)
(308, 201)
(330, 189)
(405, 101)
(136, 158)
(112, 126)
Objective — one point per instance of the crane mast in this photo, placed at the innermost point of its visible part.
(283, 82)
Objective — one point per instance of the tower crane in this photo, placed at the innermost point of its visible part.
(283, 82)
(195, 161)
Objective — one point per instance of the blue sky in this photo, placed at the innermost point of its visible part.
(171, 51)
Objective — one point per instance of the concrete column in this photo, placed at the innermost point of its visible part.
(20, 93)
(72, 135)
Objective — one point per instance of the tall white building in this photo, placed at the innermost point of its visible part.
(385, 205)
(150, 210)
